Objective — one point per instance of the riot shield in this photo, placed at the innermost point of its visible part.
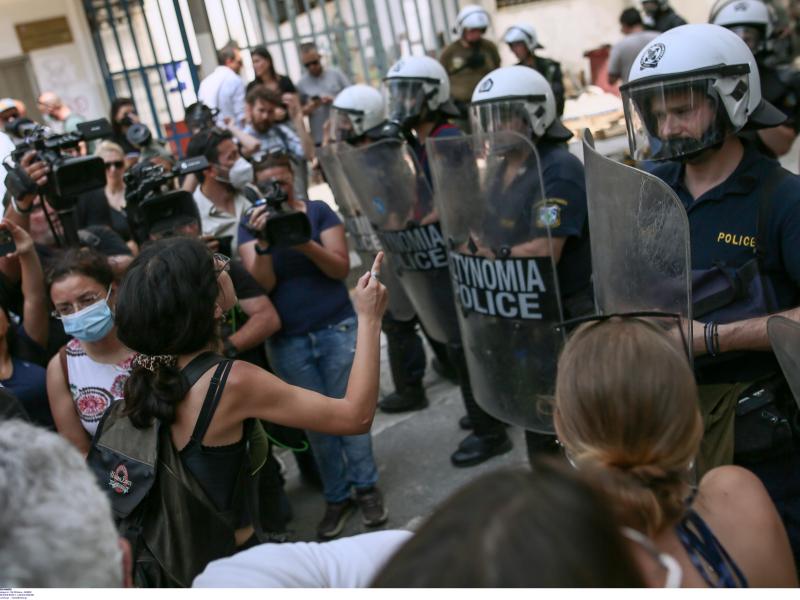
(490, 197)
(784, 337)
(365, 241)
(393, 193)
(639, 230)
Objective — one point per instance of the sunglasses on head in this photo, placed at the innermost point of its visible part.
(311, 63)
(117, 164)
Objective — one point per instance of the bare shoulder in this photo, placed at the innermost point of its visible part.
(731, 489)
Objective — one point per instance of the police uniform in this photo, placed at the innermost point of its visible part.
(564, 211)
(781, 88)
(724, 227)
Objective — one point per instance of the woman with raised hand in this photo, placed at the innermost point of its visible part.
(170, 303)
(626, 406)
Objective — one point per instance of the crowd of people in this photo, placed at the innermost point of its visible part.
(198, 321)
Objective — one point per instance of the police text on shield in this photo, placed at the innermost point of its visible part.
(418, 249)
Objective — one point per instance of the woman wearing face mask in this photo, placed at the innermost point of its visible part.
(88, 374)
(626, 406)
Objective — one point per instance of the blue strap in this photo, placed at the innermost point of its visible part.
(700, 543)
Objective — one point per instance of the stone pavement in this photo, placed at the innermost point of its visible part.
(412, 451)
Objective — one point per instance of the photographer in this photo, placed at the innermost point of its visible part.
(314, 349)
(219, 198)
(123, 115)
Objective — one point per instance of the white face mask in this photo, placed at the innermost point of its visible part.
(239, 175)
(674, 573)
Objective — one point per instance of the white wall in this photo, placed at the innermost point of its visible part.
(70, 70)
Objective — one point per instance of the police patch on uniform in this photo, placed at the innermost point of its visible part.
(548, 216)
(653, 56)
(458, 62)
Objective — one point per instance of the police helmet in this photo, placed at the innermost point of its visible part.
(517, 98)
(415, 84)
(522, 33)
(749, 19)
(688, 89)
(358, 110)
(471, 16)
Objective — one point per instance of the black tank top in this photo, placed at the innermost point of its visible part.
(216, 468)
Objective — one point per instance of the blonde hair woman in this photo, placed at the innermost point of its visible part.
(626, 405)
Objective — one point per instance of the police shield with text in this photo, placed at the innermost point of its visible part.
(357, 119)
(494, 217)
(399, 204)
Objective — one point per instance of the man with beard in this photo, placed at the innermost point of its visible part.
(274, 136)
(690, 92)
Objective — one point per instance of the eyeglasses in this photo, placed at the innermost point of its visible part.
(116, 164)
(645, 314)
(66, 309)
(223, 264)
(311, 63)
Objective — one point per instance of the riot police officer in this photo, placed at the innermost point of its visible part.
(419, 106)
(521, 100)
(780, 86)
(358, 118)
(690, 92)
(524, 42)
(659, 16)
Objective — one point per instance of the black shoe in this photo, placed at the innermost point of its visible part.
(474, 450)
(373, 511)
(446, 372)
(465, 423)
(412, 399)
(336, 516)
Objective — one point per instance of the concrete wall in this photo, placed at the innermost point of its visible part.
(70, 70)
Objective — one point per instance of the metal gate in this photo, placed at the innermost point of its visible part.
(148, 49)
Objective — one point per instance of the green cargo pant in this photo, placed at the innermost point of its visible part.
(718, 408)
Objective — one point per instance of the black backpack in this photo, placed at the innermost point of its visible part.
(173, 527)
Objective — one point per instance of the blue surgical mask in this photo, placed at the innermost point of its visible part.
(90, 324)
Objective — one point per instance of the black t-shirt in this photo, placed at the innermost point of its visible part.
(285, 85)
(92, 208)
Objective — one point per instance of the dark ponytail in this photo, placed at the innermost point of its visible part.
(165, 308)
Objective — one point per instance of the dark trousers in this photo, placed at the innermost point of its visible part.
(483, 423)
(406, 353)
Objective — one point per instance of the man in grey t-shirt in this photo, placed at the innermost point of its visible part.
(627, 49)
(318, 87)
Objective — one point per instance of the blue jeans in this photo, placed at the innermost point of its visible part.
(321, 361)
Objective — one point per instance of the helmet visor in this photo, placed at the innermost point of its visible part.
(674, 119)
(344, 125)
(504, 115)
(405, 99)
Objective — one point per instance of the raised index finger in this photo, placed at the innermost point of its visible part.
(376, 265)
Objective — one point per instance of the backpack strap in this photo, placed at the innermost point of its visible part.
(211, 400)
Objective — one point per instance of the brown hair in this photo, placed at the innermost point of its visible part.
(80, 261)
(626, 401)
(546, 528)
(263, 93)
(273, 160)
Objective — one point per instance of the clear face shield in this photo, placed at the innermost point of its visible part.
(674, 120)
(751, 35)
(342, 127)
(502, 116)
(405, 99)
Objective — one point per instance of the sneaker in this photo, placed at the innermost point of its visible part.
(373, 512)
(336, 515)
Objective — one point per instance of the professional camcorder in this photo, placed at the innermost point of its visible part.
(152, 208)
(70, 176)
(284, 227)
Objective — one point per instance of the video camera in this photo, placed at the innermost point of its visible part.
(151, 208)
(70, 176)
(284, 227)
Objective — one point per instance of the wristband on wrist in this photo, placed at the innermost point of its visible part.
(19, 210)
(709, 331)
(715, 339)
(263, 251)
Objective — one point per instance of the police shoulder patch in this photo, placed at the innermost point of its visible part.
(549, 216)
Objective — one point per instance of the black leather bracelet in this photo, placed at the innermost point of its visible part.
(263, 251)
